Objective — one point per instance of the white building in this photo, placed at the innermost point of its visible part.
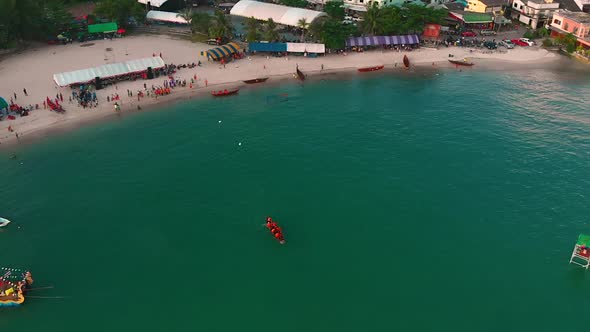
(534, 13)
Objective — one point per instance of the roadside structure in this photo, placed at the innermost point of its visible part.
(576, 23)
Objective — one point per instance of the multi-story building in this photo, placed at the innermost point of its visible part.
(534, 13)
(576, 23)
(485, 6)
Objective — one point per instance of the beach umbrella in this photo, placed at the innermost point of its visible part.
(3, 103)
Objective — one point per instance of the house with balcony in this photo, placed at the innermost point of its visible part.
(576, 23)
(486, 6)
(534, 13)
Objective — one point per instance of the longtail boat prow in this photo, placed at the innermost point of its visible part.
(226, 92)
(300, 75)
(368, 69)
(256, 80)
(275, 230)
(406, 61)
(461, 63)
(13, 286)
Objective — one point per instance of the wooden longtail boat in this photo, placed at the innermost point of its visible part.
(368, 69)
(256, 80)
(406, 61)
(300, 75)
(461, 63)
(222, 93)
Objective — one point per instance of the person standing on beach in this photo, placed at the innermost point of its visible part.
(25, 91)
(61, 97)
(14, 96)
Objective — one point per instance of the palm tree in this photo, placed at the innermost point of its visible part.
(303, 25)
(200, 22)
(373, 19)
(221, 26)
(270, 32)
(186, 14)
(252, 28)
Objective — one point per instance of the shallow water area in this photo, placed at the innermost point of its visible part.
(456, 196)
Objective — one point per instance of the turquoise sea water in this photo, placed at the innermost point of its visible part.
(446, 202)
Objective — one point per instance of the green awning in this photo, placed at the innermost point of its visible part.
(477, 18)
(583, 240)
(103, 27)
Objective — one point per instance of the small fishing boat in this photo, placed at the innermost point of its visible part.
(4, 222)
(462, 63)
(275, 230)
(13, 285)
(226, 92)
(406, 61)
(300, 75)
(368, 69)
(256, 80)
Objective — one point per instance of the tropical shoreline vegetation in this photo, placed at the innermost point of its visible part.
(41, 19)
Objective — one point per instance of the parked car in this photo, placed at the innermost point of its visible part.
(468, 34)
(527, 41)
(490, 45)
(507, 43)
(519, 42)
(487, 32)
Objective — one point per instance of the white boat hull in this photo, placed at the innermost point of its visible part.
(4, 222)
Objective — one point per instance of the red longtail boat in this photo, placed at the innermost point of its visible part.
(368, 69)
(221, 93)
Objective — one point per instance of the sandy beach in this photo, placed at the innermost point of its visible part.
(34, 68)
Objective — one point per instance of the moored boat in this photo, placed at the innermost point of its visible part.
(406, 61)
(13, 285)
(462, 63)
(300, 75)
(368, 69)
(226, 92)
(4, 222)
(256, 80)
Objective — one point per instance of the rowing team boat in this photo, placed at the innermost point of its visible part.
(275, 230)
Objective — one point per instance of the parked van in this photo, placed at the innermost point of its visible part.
(487, 32)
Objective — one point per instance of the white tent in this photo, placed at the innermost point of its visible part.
(306, 47)
(156, 15)
(107, 71)
(153, 3)
(280, 14)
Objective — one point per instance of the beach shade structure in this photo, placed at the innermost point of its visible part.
(382, 40)
(3, 103)
(284, 15)
(581, 252)
(103, 28)
(111, 70)
(167, 17)
(222, 51)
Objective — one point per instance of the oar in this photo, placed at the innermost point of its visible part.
(38, 288)
(44, 297)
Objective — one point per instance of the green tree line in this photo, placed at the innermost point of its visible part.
(40, 19)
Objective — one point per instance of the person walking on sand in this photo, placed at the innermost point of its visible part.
(25, 91)
(14, 96)
(206, 83)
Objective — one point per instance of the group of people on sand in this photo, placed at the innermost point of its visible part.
(275, 230)
(84, 97)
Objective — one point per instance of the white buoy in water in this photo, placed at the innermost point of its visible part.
(240, 144)
(219, 121)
